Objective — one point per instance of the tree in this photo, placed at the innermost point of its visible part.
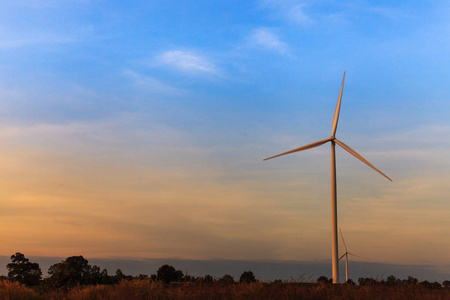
(350, 282)
(168, 274)
(391, 280)
(226, 279)
(411, 281)
(435, 285)
(426, 284)
(362, 281)
(247, 277)
(208, 279)
(367, 281)
(75, 270)
(24, 271)
(96, 275)
(142, 277)
(119, 276)
(323, 279)
(105, 278)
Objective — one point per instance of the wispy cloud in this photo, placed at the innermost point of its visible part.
(266, 38)
(36, 40)
(187, 62)
(297, 14)
(151, 84)
(289, 9)
(314, 12)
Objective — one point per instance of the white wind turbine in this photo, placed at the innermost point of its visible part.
(334, 141)
(346, 256)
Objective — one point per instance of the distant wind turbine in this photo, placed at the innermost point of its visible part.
(334, 141)
(346, 256)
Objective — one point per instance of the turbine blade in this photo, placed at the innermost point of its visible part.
(342, 256)
(343, 240)
(358, 156)
(338, 109)
(309, 146)
(358, 255)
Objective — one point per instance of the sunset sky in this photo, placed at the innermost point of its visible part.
(138, 128)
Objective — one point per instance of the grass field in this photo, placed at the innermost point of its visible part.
(148, 289)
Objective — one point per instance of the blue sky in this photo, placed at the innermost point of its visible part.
(138, 129)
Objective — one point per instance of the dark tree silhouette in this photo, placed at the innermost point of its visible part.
(75, 270)
(324, 279)
(226, 279)
(96, 275)
(24, 271)
(119, 275)
(411, 281)
(105, 278)
(391, 280)
(208, 279)
(247, 277)
(350, 282)
(168, 274)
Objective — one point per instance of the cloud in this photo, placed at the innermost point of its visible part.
(151, 84)
(187, 62)
(317, 12)
(296, 13)
(288, 9)
(39, 40)
(266, 38)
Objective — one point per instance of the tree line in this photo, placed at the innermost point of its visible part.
(76, 271)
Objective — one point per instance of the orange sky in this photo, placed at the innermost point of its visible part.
(84, 189)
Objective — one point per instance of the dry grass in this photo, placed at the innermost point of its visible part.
(14, 290)
(148, 289)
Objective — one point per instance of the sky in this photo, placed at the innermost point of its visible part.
(137, 129)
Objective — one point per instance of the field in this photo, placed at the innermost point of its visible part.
(149, 289)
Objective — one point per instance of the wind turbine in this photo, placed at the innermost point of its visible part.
(334, 141)
(346, 256)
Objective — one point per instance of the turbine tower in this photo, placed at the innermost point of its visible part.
(334, 141)
(346, 256)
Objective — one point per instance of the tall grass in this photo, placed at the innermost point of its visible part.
(147, 289)
(126, 289)
(15, 291)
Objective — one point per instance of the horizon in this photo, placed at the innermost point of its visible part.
(139, 130)
(264, 270)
